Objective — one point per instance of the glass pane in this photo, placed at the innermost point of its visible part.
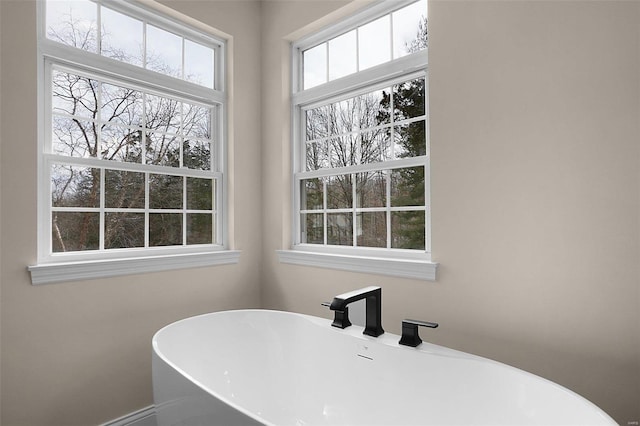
(343, 116)
(199, 194)
(198, 63)
(121, 37)
(343, 150)
(124, 189)
(162, 149)
(317, 155)
(374, 42)
(73, 23)
(74, 95)
(409, 99)
(74, 138)
(164, 52)
(315, 66)
(312, 194)
(317, 121)
(342, 55)
(121, 105)
(372, 229)
(197, 121)
(407, 187)
(410, 140)
(339, 193)
(312, 228)
(340, 229)
(197, 154)
(75, 186)
(162, 114)
(371, 190)
(121, 144)
(373, 109)
(123, 230)
(407, 230)
(165, 229)
(375, 146)
(165, 192)
(410, 29)
(199, 228)
(75, 231)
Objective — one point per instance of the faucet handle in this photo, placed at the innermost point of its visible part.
(327, 304)
(410, 335)
(340, 318)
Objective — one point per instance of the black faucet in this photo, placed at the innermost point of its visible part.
(410, 335)
(373, 322)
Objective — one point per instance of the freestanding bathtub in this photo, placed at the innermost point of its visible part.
(257, 367)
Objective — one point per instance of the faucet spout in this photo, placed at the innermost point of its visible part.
(373, 296)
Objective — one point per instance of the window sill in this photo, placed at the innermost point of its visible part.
(74, 271)
(404, 268)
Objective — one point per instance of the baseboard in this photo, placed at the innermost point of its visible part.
(143, 417)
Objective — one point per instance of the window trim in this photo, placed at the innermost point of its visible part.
(57, 267)
(386, 261)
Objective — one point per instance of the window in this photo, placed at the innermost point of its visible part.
(132, 138)
(361, 141)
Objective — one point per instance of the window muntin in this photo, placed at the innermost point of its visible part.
(362, 162)
(127, 166)
(376, 42)
(93, 27)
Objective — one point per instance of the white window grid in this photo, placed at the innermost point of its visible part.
(396, 71)
(56, 56)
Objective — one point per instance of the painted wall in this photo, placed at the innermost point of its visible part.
(79, 353)
(535, 190)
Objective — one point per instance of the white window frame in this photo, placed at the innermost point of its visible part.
(60, 267)
(416, 264)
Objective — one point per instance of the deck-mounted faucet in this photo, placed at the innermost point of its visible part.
(373, 321)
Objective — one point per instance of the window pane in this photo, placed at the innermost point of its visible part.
(407, 230)
(373, 109)
(198, 63)
(199, 194)
(342, 55)
(74, 95)
(75, 186)
(407, 187)
(73, 23)
(343, 116)
(375, 146)
(164, 51)
(165, 192)
(73, 137)
(317, 123)
(197, 154)
(374, 42)
(162, 149)
(162, 114)
(317, 155)
(371, 189)
(165, 229)
(410, 29)
(121, 37)
(123, 230)
(75, 231)
(197, 121)
(343, 150)
(372, 229)
(410, 140)
(312, 194)
(408, 99)
(339, 193)
(199, 228)
(312, 228)
(340, 229)
(121, 144)
(124, 190)
(121, 105)
(315, 66)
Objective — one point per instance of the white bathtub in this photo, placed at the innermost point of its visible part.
(256, 367)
